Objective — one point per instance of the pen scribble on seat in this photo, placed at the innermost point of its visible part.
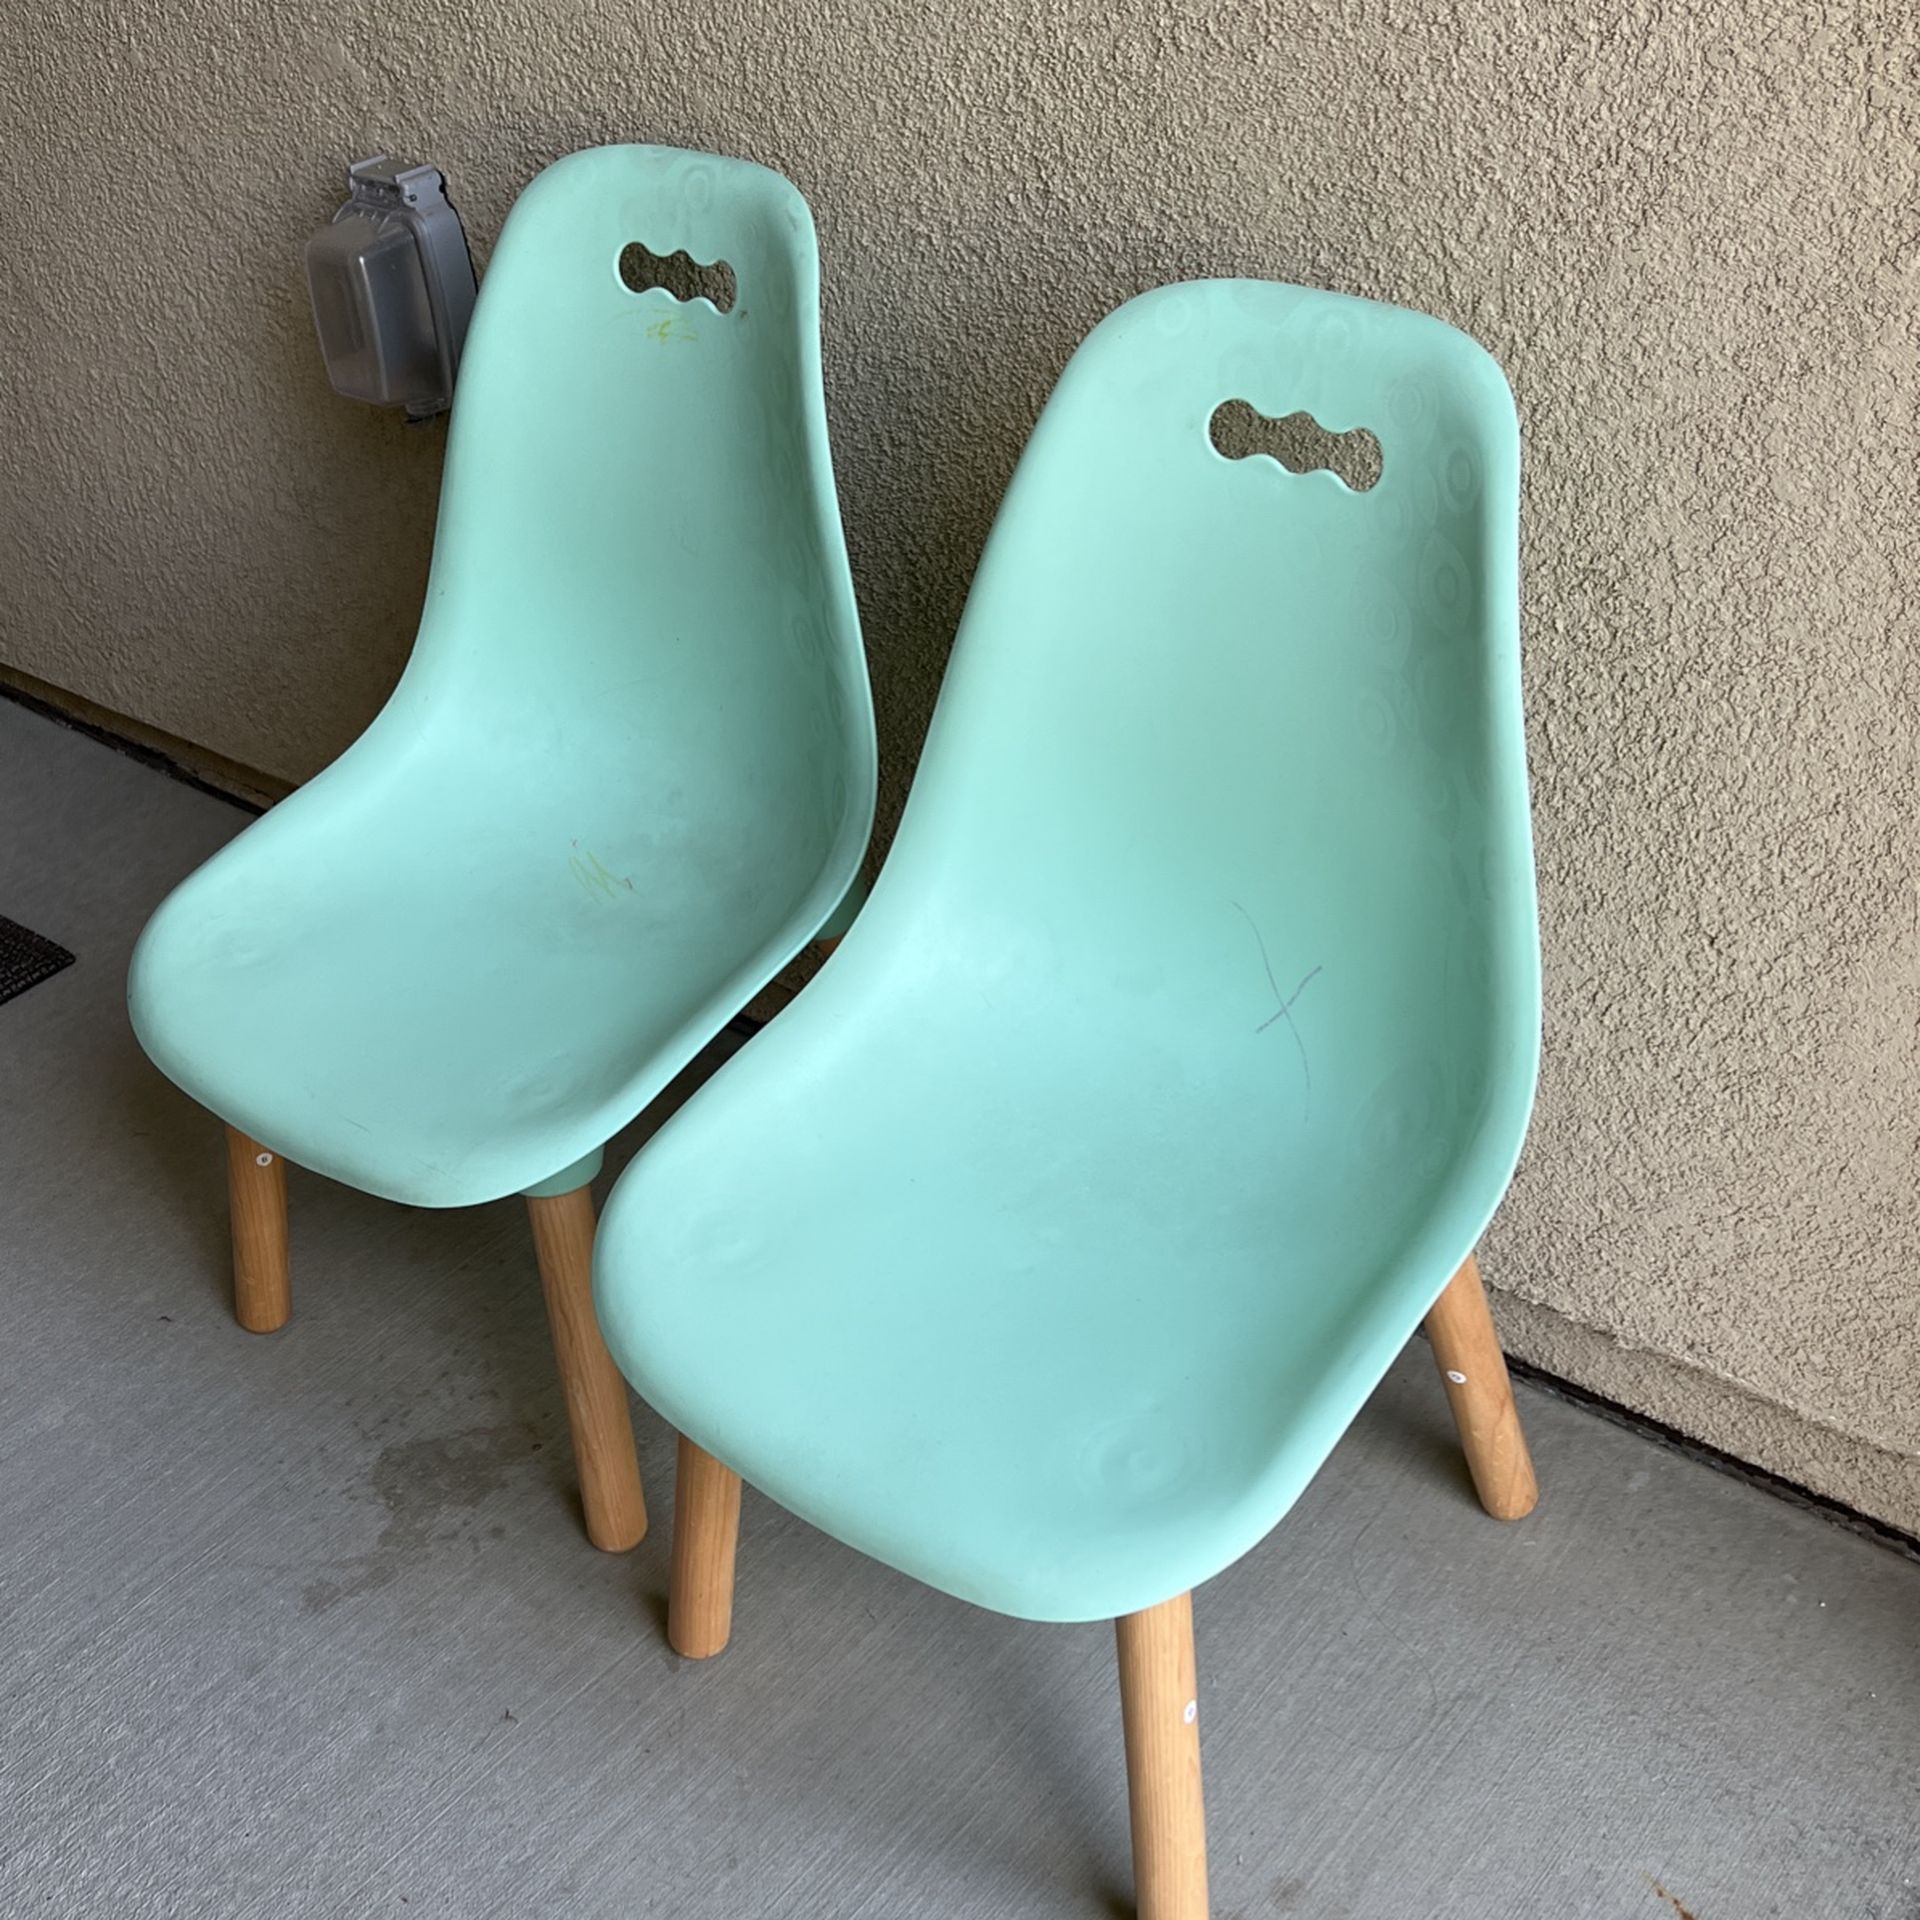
(1284, 1002)
(594, 876)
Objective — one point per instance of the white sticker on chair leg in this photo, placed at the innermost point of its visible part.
(1192, 1713)
(263, 1159)
(1458, 1379)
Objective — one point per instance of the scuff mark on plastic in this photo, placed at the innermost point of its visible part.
(593, 875)
(1285, 1004)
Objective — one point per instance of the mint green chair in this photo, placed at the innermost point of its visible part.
(1045, 1247)
(627, 775)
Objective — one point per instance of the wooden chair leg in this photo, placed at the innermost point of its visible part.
(706, 1529)
(596, 1395)
(1159, 1710)
(1467, 1350)
(257, 1202)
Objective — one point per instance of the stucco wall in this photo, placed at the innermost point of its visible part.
(1688, 231)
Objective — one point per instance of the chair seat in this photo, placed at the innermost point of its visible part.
(1047, 1245)
(629, 770)
(443, 990)
(887, 1269)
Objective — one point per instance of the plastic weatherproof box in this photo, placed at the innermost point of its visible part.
(393, 289)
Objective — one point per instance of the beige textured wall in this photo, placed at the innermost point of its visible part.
(1689, 231)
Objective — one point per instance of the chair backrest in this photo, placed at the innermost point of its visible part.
(1224, 745)
(639, 558)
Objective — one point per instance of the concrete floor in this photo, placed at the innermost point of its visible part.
(305, 1626)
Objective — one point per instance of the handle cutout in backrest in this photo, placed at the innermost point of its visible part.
(1239, 430)
(680, 274)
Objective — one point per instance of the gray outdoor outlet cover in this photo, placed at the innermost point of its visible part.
(393, 289)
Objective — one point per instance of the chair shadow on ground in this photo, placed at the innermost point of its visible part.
(175, 1155)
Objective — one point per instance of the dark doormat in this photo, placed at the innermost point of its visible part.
(26, 958)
